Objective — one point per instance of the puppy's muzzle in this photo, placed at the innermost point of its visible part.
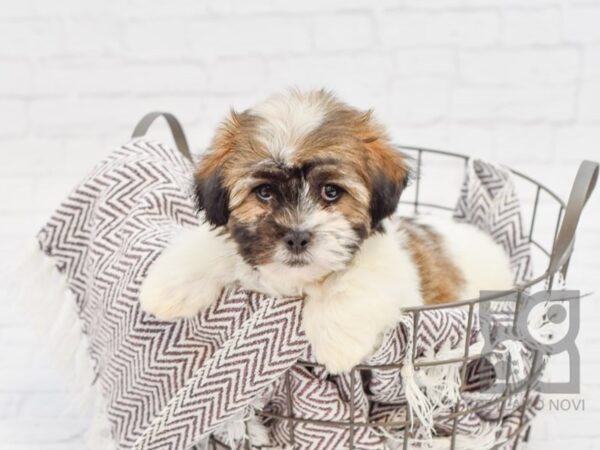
(297, 242)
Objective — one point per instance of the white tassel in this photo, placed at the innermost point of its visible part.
(443, 383)
(417, 402)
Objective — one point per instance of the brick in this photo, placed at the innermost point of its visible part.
(8, 311)
(357, 78)
(181, 9)
(425, 135)
(113, 79)
(527, 27)
(553, 103)
(519, 67)
(213, 109)
(473, 140)
(468, 28)
(39, 405)
(51, 190)
(164, 79)
(447, 172)
(530, 143)
(14, 356)
(19, 434)
(591, 63)
(32, 37)
(158, 39)
(420, 100)
(112, 117)
(235, 75)
(343, 32)
(13, 117)
(425, 61)
(74, 443)
(33, 379)
(432, 4)
(76, 117)
(82, 154)
(9, 404)
(21, 9)
(21, 194)
(17, 79)
(239, 36)
(283, 6)
(28, 157)
(71, 8)
(93, 37)
(581, 24)
(577, 142)
(589, 101)
(518, 4)
(19, 335)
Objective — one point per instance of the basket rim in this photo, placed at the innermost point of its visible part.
(518, 289)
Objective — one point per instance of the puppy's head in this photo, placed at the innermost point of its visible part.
(300, 181)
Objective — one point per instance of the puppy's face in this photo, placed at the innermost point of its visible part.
(299, 182)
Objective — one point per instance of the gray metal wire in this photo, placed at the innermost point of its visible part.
(522, 431)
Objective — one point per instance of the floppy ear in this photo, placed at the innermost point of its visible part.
(212, 194)
(389, 171)
(212, 198)
(385, 196)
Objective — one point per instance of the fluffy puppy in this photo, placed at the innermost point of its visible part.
(297, 194)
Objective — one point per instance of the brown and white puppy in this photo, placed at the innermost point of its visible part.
(297, 193)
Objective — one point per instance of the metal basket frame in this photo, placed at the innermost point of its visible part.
(558, 254)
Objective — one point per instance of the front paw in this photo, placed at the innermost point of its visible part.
(187, 277)
(339, 331)
(170, 301)
(341, 352)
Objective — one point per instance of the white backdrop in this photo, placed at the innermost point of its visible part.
(515, 80)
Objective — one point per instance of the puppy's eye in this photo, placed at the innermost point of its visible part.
(264, 192)
(331, 192)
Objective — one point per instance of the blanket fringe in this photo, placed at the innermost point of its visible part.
(434, 388)
(485, 438)
(419, 404)
(40, 291)
(443, 382)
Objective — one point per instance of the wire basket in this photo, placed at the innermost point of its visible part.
(552, 224)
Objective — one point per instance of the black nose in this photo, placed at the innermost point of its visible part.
(297, 241)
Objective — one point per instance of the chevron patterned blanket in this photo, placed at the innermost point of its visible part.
(172, 386)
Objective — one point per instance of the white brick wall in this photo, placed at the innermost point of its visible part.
(513, 80)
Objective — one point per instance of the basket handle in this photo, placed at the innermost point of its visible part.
(176, 130)
(584, 184)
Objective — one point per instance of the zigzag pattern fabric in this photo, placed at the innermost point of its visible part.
(488, 200)
(166, 384)
(171, 386)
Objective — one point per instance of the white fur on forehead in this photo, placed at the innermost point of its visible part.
(289, 117)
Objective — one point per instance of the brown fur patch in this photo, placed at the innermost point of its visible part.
(356, 140)
(233, 148)
(441, 279)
